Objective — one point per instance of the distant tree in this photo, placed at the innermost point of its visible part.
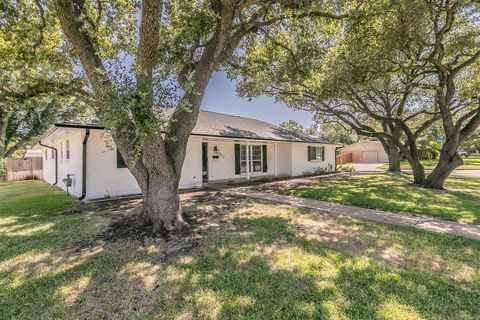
(333, 132)
(472, 143)
(292, 125)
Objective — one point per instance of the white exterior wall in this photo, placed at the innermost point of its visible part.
(284, 159)
(48, 166)
(300, 163)
(104, 179)
(192, 166)
(65, 166)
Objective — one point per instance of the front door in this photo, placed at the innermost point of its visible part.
(204, 161)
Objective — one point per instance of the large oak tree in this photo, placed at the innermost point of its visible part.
(453, 56)
(177, 42)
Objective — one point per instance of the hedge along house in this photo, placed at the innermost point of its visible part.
(222, 147)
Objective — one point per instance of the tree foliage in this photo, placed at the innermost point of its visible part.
(37, 82)
(378, 72)
(292, 125)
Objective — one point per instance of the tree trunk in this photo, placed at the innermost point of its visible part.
(156, 174)
(418, 170)
(393, 158)
(161, 203)
(449, 160)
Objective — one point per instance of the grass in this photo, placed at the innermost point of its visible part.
(470, 163)
(394, 192)
(275, 262)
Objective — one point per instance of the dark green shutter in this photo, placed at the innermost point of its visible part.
(120, 161)
(264, 151)
(237, 158)
(323, 153)
(309, 153)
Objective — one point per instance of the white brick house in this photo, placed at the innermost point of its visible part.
(221, 148)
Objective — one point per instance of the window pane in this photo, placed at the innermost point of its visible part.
(243, 152)
(317, 153)
(257, 166)
(67, 148)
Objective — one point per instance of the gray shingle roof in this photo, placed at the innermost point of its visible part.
(216, 124)
(225, 125)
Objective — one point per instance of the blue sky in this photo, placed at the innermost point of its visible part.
(220, 96)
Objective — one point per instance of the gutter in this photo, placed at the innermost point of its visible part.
(84, 164)
(56, 159)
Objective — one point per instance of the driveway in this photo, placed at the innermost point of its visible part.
(466, 173)
(368, 167)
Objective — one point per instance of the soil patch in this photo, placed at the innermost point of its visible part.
(206, 212)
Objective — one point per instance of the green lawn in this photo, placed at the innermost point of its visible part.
(394, 192)
(254, 261)
(470, 163)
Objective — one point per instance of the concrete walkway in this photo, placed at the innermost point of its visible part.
(419, 222)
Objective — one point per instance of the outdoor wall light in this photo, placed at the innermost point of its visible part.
(216, 153)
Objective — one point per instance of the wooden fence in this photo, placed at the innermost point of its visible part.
(344, 158)
(24, 169)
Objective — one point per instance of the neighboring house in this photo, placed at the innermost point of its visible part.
(364, 151)
(221, 148)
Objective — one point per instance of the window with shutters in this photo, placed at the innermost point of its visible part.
(317, 153)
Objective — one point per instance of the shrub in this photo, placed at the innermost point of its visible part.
(347, 167)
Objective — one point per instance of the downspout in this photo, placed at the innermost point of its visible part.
(84, 164)
(56, 159)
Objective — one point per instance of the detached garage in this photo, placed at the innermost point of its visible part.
(365, 151)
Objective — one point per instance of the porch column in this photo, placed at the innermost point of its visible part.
(275, 159)
(248, 159)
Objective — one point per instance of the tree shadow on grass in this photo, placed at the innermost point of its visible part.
(263, 269)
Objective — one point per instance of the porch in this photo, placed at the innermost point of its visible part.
(228, 160)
